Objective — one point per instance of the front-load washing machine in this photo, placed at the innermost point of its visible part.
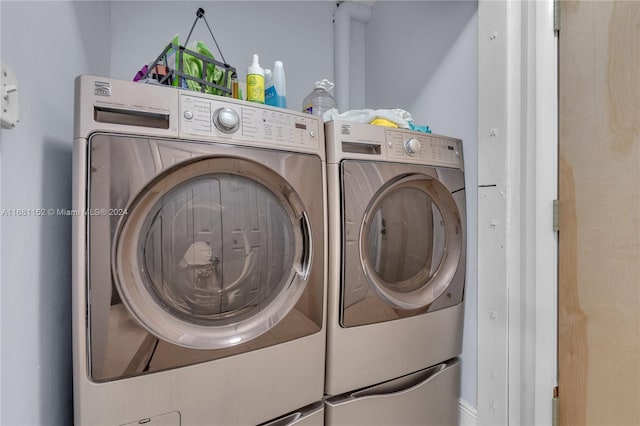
(396, 275)
(198, 257)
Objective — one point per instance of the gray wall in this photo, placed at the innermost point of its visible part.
(46, 44)
(422, 56)
(298, 33)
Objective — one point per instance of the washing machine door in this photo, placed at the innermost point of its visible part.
(403, 240)
(199, 251)
(213, 252)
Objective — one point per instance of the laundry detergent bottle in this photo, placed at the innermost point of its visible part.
(255, 81)
(275, 92)
(320, 100)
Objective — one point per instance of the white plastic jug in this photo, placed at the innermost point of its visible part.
(320, 100)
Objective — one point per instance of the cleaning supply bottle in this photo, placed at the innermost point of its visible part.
(235, 90)
(268, 85)
(275, 86)
(255, 81)
(320, 100)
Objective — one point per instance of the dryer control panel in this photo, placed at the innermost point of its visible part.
(229, 119)
(425, 148)
(349, 140)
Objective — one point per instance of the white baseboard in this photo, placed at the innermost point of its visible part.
(468, 414)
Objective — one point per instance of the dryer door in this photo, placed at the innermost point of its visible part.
(403, 240)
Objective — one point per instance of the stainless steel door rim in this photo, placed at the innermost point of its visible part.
(131, 276)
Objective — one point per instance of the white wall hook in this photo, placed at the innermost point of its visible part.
(9, 114)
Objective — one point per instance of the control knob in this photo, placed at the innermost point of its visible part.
(412, 146)
(226, 120)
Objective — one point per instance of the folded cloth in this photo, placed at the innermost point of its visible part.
(384, 122)
(418, 128)
(398, 116)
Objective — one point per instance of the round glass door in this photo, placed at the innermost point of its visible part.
(213, 253)
(411, 241)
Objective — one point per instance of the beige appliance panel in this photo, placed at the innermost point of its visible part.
(426, 398)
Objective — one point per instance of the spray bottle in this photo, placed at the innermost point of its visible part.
(255, 81)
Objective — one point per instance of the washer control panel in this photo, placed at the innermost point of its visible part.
(206, 117)
(226, 120)
(425, 148)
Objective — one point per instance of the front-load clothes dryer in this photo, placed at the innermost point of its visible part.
(199, 257)
(396, 258)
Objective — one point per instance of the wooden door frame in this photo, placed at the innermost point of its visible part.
(517, 179)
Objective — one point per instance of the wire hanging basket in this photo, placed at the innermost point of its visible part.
(189, 69)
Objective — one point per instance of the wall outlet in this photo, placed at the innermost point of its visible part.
(9, 113)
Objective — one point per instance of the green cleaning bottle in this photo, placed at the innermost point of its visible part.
(255, 81)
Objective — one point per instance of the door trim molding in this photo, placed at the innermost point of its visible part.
(544, 184)
(468, 414)
(517, 177)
